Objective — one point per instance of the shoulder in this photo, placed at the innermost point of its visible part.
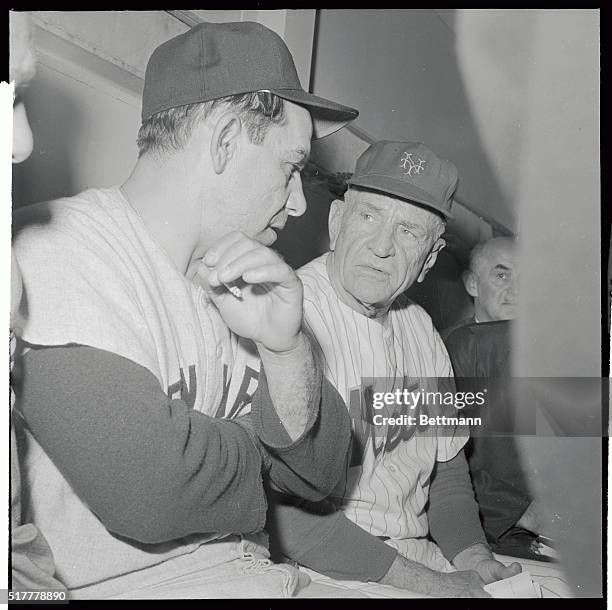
(461, 340)
(480, 332)
(484, 346)
(71, 242)
(446, 332)
(68, 217)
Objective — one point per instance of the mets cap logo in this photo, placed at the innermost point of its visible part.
(408, 164)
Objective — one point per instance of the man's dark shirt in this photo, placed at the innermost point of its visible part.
(480, 354)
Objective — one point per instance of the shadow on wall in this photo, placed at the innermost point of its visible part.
(50, 161)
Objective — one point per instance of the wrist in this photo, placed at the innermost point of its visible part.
(289, 349)
(470, 557)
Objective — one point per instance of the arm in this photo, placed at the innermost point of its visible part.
(269, 312)
(310, 466)
(322, 538)
(149, 467)
(451, 501)
(454, 522)
(407, 574)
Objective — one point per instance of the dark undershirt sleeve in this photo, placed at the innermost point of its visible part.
(310, 466)
(150, 468)
(454, 523)
(322, 538)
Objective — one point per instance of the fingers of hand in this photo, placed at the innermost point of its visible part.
(246, 258)
(279, 273)
(227, 243)
(258, 257)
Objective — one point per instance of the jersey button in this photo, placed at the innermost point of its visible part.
(392, 468)
(219, 351)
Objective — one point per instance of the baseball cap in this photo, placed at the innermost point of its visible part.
(408, 170)
(214, 60)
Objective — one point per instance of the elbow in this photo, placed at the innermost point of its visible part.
(144, 518)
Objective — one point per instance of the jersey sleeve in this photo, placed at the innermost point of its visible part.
(322, 538)
(149, 467)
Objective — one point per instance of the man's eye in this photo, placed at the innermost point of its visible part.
(502, 276)
(367, 216)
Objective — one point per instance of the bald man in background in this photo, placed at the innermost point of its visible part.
(32, 565)
(480, 351)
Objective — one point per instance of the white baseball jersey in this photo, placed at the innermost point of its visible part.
(93, 256)
(387, 485)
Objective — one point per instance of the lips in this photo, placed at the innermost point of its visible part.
(372, 271)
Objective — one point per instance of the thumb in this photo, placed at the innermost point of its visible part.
(512, 570)
(209, 280)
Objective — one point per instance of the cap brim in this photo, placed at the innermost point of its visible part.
(327, 116)
(400, 189)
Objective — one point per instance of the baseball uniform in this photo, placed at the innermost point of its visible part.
(99, 286)
(387, 486)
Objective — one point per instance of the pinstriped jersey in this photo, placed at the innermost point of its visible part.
(387, 485)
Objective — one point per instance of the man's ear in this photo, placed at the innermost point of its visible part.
(224, 142)
(431, 258)
(470, 283)
(336, 211)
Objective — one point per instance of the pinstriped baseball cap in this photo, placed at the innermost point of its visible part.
(214, 60)
(408, 170)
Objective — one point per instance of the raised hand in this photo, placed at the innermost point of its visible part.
(269, 310)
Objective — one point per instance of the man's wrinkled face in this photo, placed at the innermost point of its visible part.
(380, 247)
(22, 66)
(495, 282)
(266, 182)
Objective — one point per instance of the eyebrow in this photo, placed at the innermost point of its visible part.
(402, 221)
(501, 266)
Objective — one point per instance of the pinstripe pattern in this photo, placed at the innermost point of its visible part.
(387, 485)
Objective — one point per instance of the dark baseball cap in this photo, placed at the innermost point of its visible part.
(410, 171)
(214, 60)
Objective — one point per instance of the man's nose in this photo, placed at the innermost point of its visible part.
(22, 134)
(296, 204)
(382, 244)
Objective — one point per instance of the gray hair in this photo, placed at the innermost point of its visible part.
(481, 252)
(171, 129)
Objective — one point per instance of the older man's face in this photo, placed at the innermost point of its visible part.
(495, 282)
(381, 246)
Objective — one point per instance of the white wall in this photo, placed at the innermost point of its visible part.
(84, 103)
(84, 132)
(400, 69)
